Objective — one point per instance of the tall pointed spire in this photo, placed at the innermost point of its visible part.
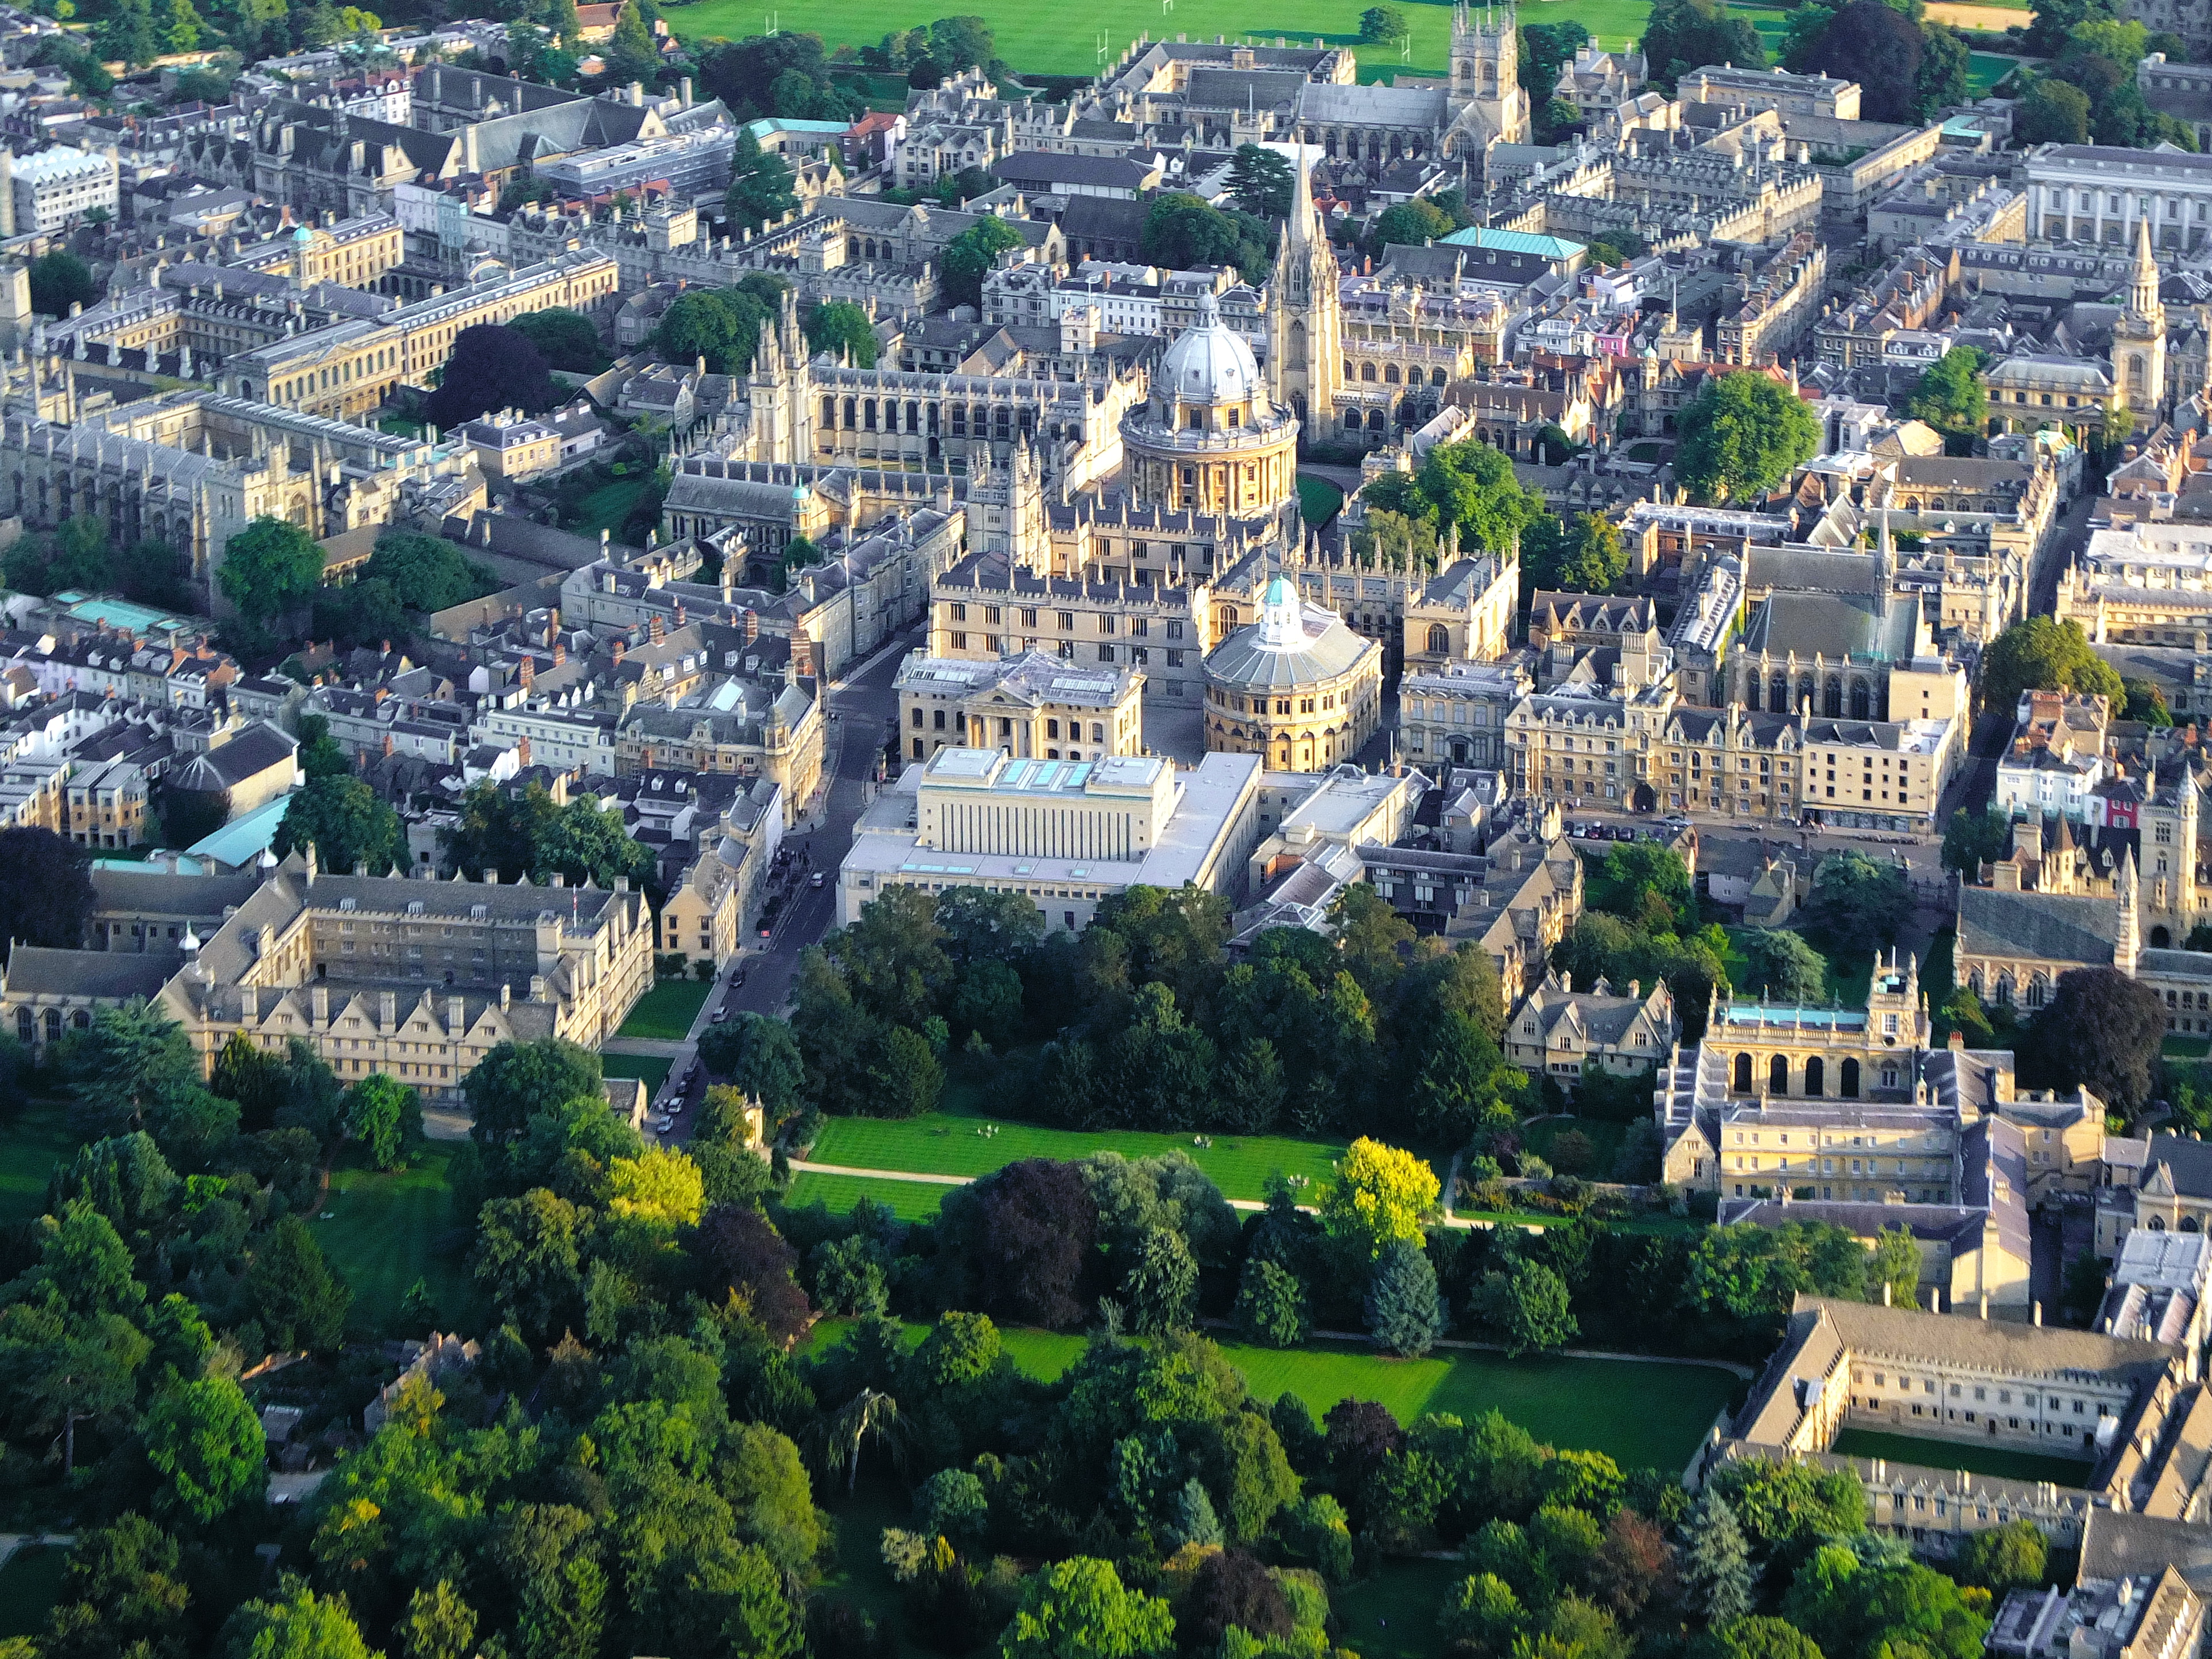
(2126, 945)
(2143, 281)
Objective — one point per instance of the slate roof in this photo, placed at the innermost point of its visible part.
(2038, 926)
(2187, 1164)
(34, 969)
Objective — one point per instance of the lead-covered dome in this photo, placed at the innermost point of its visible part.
(1209, 362)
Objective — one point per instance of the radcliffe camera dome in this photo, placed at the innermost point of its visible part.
(1209, 362)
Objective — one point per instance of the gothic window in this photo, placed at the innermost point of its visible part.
(1439, 639)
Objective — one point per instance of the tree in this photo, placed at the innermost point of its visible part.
(1716, 1564)
(127, 33)
(1078, 1609)
(1584, 556)
(45, 889)
(514, 1082)
(121, 1595)
(528, 1260)
(386, 1116)
(1408, 224)
(438, 1624)
(1404, 1314)
(1378, 1197)
(1882, 51)
(1271, 1304)
(1027, 1235)
(1756, 1637)
(1181, 230)
(2038, 653)
(299, 1301)
(1784, 967)
(132, 1064)
(269, 568)
(346, 824)
(1946, 69)
(721, 325)
(491, 368)
(1951, 396)
(2101, 1030)
(2050, 112)
(1896, 1263)
(1526, 1305)
(1781, 1506)
(1865, 1606)
(60, 280)
(2013, 1556)
(1973, 839)
(1482, 1617)
(427, 572)
(1383, 26)
(205, 1440)
(843, 329)
(760, 185)
(1472, 485)
(299, 1625)
(1858, 902)
(2146, 702)
(1681, 35)
(632, 54)
(1261, 180)
(971, 254)
(1162, 1284)
(566, 339)
(1742, 435)
(741, 1251)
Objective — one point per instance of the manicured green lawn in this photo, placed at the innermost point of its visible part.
(653, 1068)
(1036, 39)
(942, 1143)
(1392, 1613)
(32, 1142)
(1975, 1457)
(909, 1200)
(383, 1234)
(605, 508)
(1985, 68)
(860, 1576)
(28, 1586)
(2185, 1047)
(1635, 1413)
(666, 1011)
(1318, 501)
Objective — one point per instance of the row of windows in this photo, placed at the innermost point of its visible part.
(1065, 620)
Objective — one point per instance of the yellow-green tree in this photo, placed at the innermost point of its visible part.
(1378, 1198)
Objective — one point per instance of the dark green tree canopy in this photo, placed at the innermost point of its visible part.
(1742, 435)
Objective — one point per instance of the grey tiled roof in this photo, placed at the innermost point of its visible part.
(2038, 926)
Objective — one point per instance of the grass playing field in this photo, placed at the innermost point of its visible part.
(1036, 39)
(383, 1235)
(1391, 1613)
(1999, 1462)
(666, 1011)
(941, 1143)
(909, 1200)
(32, 1142)
(1634, 1413)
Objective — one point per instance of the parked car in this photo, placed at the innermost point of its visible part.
(719, 1015)
(739, 978)
(815, 880)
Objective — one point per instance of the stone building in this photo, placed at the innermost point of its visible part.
(1032, 706)
(1565, 1035)
(1298, 688)
(1208, 438)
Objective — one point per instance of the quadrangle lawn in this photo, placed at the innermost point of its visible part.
(1998, 1462)
(384, 1233)
(653, 1068)
(1635, 1413)
(941, 1143)
(1038, 40)
(666, 1011)
(32, 1142)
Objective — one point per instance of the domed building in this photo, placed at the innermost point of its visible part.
(1297, 688)
(1208, 439)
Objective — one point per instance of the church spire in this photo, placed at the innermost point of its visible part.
(2143, 281)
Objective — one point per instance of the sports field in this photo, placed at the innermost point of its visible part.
(1036, 39)
(940, 1143)
(909, 1200)
(32, 1142)
(1635, 1413)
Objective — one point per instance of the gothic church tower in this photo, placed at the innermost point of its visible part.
(1305, 323)
(1486, 98)
(2139, 338)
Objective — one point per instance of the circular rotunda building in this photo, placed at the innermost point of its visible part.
(1297, 688)
(1207, 439)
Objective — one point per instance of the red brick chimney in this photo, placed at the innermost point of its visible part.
(522, 751)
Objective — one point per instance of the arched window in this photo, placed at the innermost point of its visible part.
(2160, 939)
(1743, 1074)
(27, 1027)
(1816, 1076)
(1860, 703)
(1778, 692)
(1439, 639)
(80, 1019)
(1778, 1074)
(1751, 694)
(2191, 1224)
(2156, 1224)
(2039, 991)
(1850, 1080)
(1831, 702)
(53, 1025)
(2005, 989)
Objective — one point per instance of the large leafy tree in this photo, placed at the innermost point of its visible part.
(841, 329)
(760, 185)
(1742, 435)
(2051, 112)
(1973, 839)
(2102, 1031)
(1879, 48)
(1378, 1198)
(2040, 653)
(492, 367)
(205, 1440)
(1583, 554)
(1682, 35)
(428, 573)
(1526, 1306)
(1472, 485)
(299, 1301)
(566, 339)
(269, 568)
(1079, 1609)
(971, 255)
(1951, 396)
(1261, 179)
(1182, 230)
(1027, 1236)
(1858, 902)
(346, 823)
(1784, 967)
(122, 1592)
(45, 889)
